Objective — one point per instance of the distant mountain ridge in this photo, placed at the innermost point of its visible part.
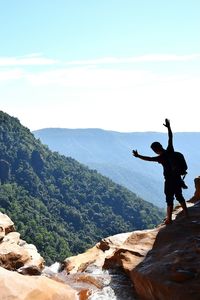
(57, 203)
(110, 153)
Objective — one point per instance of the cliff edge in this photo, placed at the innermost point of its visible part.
(163, 263)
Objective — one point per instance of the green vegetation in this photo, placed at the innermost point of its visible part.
(59, 204)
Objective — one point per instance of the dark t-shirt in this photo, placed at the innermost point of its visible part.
(164, 160)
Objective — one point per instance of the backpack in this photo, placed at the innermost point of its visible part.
(178, 163)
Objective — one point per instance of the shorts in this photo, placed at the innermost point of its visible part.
(173, 187)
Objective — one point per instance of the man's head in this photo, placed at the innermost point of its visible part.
(157, 147)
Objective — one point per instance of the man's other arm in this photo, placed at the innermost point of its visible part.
(147, 158)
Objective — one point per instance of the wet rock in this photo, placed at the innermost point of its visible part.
(84, 294)
(80, 262)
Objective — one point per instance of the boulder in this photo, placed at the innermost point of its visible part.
(171, 269)
(6, 225)
(95, 255)
(20, 287)
(14, 252)
(35, 259)
(80, 262)
(12, 256)
(163, 263)
(133, 250)
(196, 196)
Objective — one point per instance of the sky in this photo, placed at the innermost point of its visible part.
(122, 65)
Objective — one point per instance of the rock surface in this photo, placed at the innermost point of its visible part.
(16, 255)
(196, 196)
(19, 287)
(163, 263)
(14, 252)
(96, 255)
(171, 270)
(6, 225)
(133, 250)
(125, 250)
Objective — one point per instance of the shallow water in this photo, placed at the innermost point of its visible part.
(103, 284)
(119, 287)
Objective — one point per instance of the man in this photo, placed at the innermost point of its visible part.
(173, 181)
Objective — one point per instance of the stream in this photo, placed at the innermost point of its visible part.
(111, 284)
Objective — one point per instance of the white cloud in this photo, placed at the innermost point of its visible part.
(136, 59)
(92, 78)
(123, 99)
(28, 60)
(37, 59)
(8, 75)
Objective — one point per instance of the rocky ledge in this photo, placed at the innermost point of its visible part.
(171, 269)
(16, 256)
(163, 263)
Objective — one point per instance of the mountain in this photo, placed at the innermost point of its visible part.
(110, 153)
(57, 203)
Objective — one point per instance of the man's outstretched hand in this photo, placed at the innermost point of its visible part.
(167, 123)
(135, 153)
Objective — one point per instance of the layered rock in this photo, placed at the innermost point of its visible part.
(125, 250)
(21, 257)
(20, 287)
(96, 255)
(163, 263)
(6, 225)
(196, 196)
(14, 252)
(171, 270)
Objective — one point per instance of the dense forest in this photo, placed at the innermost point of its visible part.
(59, 204)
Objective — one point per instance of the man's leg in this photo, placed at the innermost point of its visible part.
(179, 196)
(170, 201)
(169, 214)
(181, 200)
(185, 209)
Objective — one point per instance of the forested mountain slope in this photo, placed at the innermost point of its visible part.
(57, 203)
(110, 153)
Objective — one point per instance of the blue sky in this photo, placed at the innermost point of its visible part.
(122, 65)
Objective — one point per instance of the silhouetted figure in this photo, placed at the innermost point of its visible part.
(173, 180)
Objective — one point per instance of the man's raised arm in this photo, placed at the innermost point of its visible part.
(170, 134)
